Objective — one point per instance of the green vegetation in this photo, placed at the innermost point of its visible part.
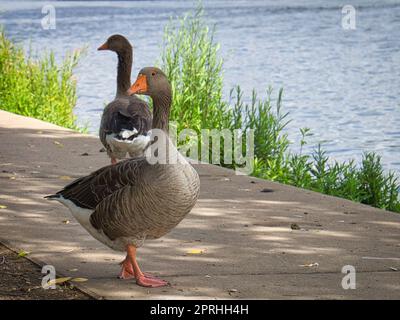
(190, 59)
(39, 89)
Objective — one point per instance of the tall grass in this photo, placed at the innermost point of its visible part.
(37, 88)
(190, 59)
(192, 65)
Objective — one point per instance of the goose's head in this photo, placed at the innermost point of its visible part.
(116, 43)
(151, 81)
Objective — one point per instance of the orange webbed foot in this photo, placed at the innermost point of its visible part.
(150, 281)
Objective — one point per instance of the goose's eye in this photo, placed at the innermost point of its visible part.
(153, 73)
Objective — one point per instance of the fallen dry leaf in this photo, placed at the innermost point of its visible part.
(58, 144)
(3, 206)
(73, 270)
(79, 279)
(22, 253)
(64, 178)
(310, 265)
(65, 221)
(195, 251)
(58, 281)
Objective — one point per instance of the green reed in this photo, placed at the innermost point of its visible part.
(37, 88)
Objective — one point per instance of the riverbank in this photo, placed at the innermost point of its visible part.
(245, 238)
(321, 68)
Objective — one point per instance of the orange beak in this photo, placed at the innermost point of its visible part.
(104, 46)
(140, 85)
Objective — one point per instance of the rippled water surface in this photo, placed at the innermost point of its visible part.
(343, 84)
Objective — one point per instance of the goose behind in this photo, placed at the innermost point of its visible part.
(126, 121)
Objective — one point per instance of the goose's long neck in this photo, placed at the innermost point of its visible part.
(124, 71)
(161, 107)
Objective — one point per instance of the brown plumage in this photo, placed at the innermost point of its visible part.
(126, 121)
(134, 200)
(122, 205)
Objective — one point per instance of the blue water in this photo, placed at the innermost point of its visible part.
(343, 84)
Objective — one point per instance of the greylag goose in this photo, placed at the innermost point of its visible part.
(126, 121)
(121, 205)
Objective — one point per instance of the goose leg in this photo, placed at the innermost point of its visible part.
(127, 271)
(113, 161)
(143, 279)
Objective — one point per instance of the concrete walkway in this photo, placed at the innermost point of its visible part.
(249, 249)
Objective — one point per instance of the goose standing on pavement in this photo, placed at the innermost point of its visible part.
(122, 205)
(126, 121)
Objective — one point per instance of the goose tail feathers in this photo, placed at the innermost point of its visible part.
(52, 197)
